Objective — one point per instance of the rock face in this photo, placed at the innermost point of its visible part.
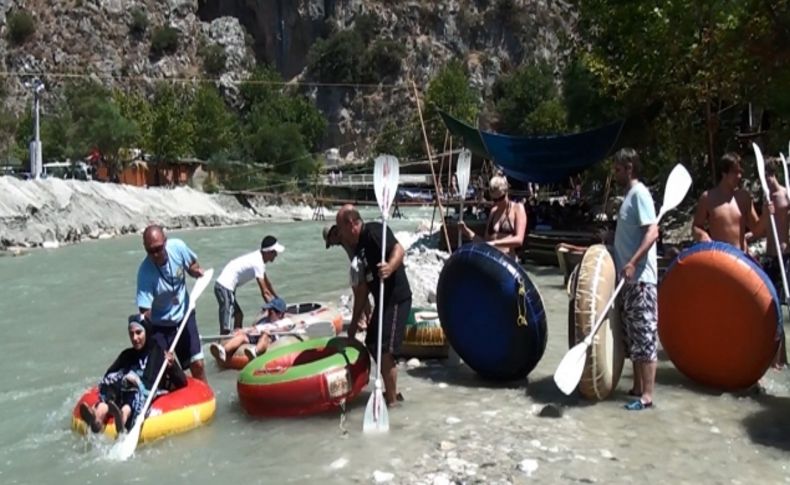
(33, 213)
(97, 37)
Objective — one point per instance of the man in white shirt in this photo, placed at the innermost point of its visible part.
(240, 271)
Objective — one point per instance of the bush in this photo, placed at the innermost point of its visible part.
(139, 23)
(337, 59)
(20, 27)
(214, 59)
(382, 60)
(164, 41)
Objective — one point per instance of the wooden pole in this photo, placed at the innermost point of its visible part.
(441, 167)
(430, 163)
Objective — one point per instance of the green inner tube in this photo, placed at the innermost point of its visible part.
(298, 361)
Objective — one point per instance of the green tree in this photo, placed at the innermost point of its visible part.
(172, 126)
(337, 59)
(214, 124)
(135, 107)
(692, 59)
(449, 91)
(518, 94)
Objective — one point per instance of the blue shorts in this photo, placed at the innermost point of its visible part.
(188, 348)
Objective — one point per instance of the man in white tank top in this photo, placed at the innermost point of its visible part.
(240, 271)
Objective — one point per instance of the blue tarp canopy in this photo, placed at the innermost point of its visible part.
(540, 159)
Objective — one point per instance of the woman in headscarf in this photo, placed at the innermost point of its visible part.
(126, 384)
(507, 223)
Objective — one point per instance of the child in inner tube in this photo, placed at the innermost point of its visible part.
(126, 384)
(260, 335)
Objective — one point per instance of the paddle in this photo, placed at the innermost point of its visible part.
(127, 443)
(787, 179)
(569, 372)
(463, 171)
(761, 172)
(385, 182)
(318, 329)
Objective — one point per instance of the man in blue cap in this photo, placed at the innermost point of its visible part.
(258, 335)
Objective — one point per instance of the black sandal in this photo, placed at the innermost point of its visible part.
(117, 416)
(87, 415)
(632, 392)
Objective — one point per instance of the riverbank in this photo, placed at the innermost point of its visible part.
(51, 212)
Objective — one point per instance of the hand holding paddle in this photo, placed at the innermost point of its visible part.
(386, 174)
(463, 172)
(761, 172)
(569, 372)
(127, 443)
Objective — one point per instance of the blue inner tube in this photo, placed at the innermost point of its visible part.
(480, 295)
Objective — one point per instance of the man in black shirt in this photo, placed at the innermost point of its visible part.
(366, 239)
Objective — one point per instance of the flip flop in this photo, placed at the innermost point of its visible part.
(638, 405)
(87, 415)
(632, 392)
(117, 416)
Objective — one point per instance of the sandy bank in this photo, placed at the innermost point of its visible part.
(54, 211)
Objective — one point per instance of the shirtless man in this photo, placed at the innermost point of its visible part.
(770, 261)
(727, 209)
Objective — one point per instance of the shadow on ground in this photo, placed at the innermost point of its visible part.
(771, 425)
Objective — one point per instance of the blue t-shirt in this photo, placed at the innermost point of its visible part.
(163, 289)
(636, 213)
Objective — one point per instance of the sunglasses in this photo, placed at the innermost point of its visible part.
(155, 249)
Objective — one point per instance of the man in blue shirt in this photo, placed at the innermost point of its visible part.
(163, 299)
(636, 261)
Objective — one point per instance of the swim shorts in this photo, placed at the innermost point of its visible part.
(393, 328)
(188, 348)
(639, 314)
(228, 306)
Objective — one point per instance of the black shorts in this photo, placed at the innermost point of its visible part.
(228, 306)
(393, 328)
(188, 348)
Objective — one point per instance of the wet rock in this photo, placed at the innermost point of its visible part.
(550, 411)
(382, 477)
(528, 466)
(446, 445)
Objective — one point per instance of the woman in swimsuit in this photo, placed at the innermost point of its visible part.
(507, 224)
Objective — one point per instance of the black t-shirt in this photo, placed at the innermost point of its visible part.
(396, 287)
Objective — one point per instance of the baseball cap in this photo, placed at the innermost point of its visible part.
(277, 304)
(270, 243)
(329, 232)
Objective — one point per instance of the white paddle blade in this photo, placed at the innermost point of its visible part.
(569, 372)
(463, 172)
(320, 329)
(787, 178)
(376, 418)
(386, 174)
(677, 186)
(758, 154)
(126, 444)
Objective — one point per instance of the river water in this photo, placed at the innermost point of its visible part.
(63, 318)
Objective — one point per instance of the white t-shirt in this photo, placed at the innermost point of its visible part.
(242, 270)
(279, 326)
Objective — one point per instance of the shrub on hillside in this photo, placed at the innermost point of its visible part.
(139, 22)
(214, 59)
(164, 41)
(21, 27)
(382, 61)
(337, 59)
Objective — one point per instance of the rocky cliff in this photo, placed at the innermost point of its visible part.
(99, 37)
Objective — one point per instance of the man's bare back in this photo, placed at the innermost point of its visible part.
(781, 208)
(727, 214)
